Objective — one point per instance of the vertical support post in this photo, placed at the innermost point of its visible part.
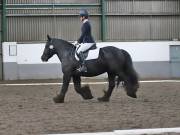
(4, 21)
(3, 34)
(103, 20)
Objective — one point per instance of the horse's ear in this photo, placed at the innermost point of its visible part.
(49, 38)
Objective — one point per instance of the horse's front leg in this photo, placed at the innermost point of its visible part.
(85, 92)
(60, 97)
(107, 94)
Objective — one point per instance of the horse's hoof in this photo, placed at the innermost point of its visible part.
(86, 92)
(88, 97)
(103, 99)
(58, 99)
(133, 95)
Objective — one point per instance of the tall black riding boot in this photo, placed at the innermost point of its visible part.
(82, 68)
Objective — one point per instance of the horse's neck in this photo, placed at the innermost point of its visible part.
(65, 51)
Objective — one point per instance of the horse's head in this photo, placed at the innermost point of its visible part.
(49, 50)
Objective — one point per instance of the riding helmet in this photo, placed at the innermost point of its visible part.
(83, 12)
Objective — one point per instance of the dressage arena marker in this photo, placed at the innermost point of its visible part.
(132, 132)
(92, 83)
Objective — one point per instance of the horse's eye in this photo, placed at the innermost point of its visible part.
(51, 47)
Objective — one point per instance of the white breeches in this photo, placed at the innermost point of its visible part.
(83, 47)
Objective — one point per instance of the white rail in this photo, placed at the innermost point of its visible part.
(131, 132)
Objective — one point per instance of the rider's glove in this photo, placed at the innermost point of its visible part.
(75, 43)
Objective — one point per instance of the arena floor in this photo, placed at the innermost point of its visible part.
(30, 109)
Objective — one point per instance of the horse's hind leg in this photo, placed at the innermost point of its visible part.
(85, 91)
(107, 94)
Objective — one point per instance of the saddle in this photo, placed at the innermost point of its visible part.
(88, 53)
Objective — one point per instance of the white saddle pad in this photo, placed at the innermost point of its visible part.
(92, 54)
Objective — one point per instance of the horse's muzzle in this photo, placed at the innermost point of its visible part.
(44, 58)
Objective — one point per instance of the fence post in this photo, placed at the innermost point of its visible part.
(4, 21)
(103, 20)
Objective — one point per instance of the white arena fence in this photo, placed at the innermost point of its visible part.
(156, 131)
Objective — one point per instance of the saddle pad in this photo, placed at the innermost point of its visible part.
(92, 54)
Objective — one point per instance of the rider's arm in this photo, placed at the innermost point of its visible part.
(84, 30)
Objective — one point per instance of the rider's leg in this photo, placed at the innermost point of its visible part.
(81, 49)
(83, 67)
(84, 47)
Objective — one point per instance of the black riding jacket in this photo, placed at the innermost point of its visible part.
(86, 36)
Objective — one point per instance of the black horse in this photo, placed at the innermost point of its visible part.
(116, 62)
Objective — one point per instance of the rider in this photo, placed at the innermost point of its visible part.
(85, 40)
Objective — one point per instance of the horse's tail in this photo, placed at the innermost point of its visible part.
(131, 84)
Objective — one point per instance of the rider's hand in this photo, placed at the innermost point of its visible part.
(75, 43)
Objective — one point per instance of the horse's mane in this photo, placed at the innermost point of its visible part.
(67, 46)
(64, 42)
